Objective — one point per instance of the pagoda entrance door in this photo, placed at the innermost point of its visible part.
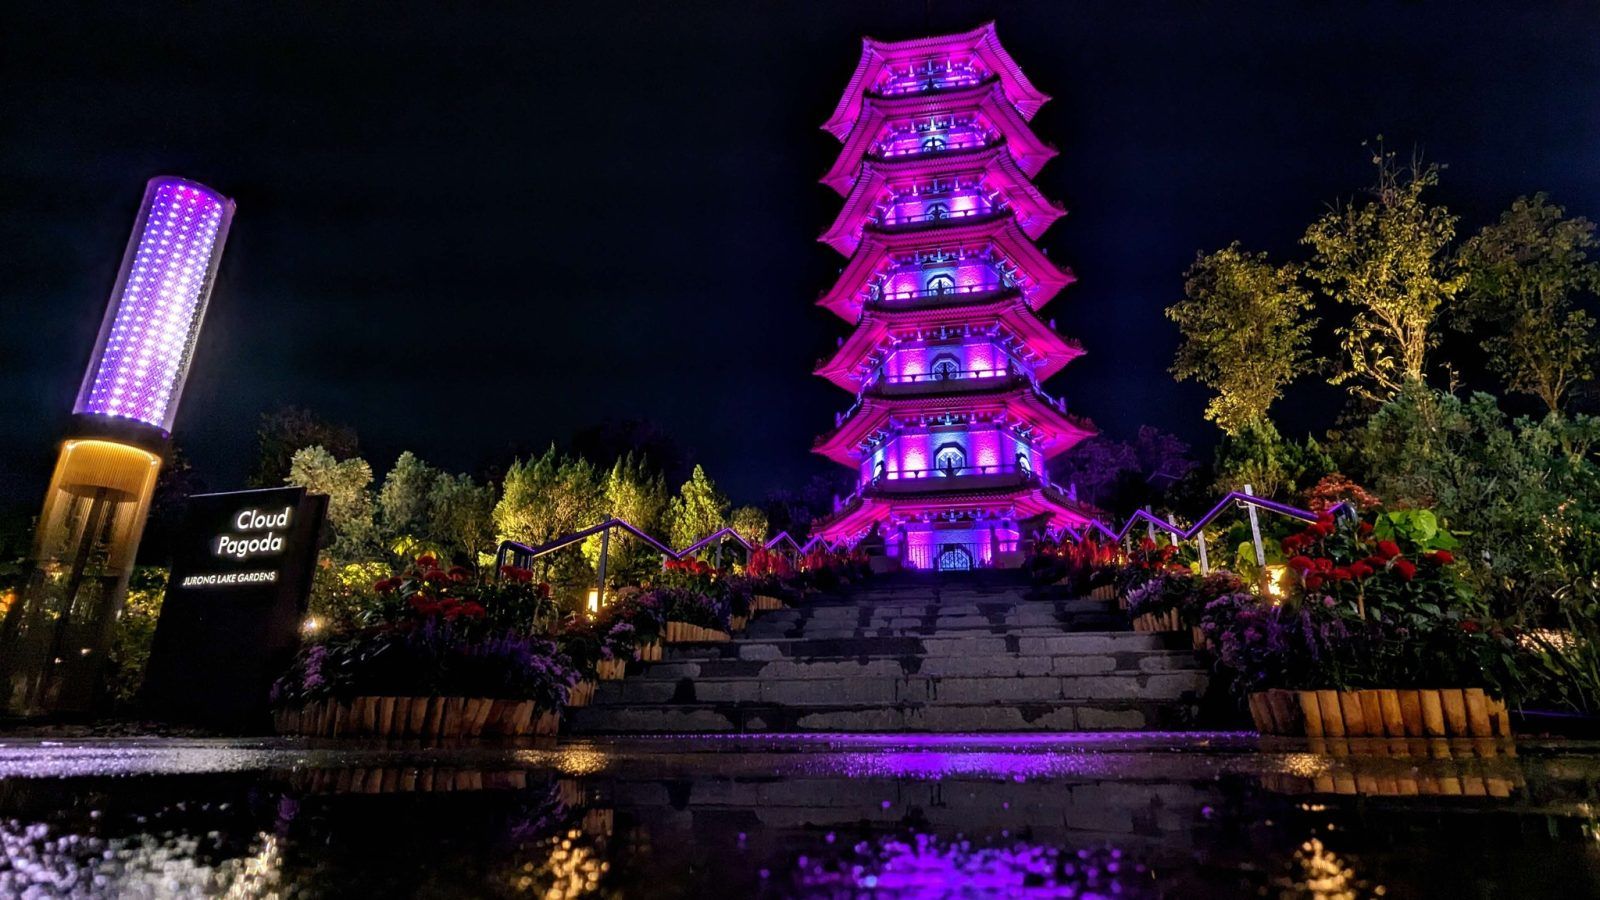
(954, 558)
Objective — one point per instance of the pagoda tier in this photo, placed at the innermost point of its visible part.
(930, 65)
(1011, 402)
(951, 432)
(977, 336)
(908, 130)
(909, 268)
(905, 196)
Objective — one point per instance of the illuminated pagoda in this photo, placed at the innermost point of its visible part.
(54, 640)
(950, 430)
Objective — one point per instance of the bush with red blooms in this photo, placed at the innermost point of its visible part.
(764, 562)
(1146, 561)
(1335, 489)
(1081, 565)
(1375, 603)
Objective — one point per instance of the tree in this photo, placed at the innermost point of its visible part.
(1120, 476)
(403, 501)
(1388, 259)
(287, 429)
(348, 484)
(549, 497)
(1524, 274)
(1255, 456)
(698, 510)
(1245, 331)
(634, 494)
(461, 516)
(750, 523)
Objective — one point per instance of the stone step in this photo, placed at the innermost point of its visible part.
(1088, 715)
(966, 644)
(916, 689)
(990, 665)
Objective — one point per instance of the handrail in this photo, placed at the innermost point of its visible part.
(947, 375)
(943, 215)
(532, 553)
(1189, 533)
(950, 472)
(706, 541)
(877, 294)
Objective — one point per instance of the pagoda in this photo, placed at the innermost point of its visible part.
(950, 431)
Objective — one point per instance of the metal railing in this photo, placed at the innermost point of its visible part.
(924, 82)
(946, 375)
(974, 142)
(951, 472)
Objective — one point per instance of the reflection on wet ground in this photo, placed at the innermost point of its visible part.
(1131, 815)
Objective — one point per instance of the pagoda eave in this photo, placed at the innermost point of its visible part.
(982, 42)
(1024, 405)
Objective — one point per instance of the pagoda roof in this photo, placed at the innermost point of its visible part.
(1027, 500)
(981, 42)
(986, 100)
(1034, 212)
(1009, 403)
(1043, 278)
(875, 333)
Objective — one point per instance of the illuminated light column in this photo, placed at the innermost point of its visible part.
(950, 431)
(54, 639)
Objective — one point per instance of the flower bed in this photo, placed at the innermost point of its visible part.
(421, 717)
(1175, 600)
(1375, 635)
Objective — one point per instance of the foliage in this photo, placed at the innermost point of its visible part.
(638, 496)
(341, 593)
(1123, 476)
(750, 523)
(693, 607)
(461, 517)
(348, 484)
(288, 429)
(1334, 489)
(1388, 259)
(404, 513)
(1525, 273)
(545, 498)
(1260, 457)
(131, 637)
(1245, 331)
(1146, 561)
(698, 510)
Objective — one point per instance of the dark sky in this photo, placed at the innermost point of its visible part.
(470, 233)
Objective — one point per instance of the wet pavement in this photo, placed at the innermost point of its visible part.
(1112, 815)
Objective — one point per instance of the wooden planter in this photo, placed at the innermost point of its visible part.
(763, 603)
(737, 624)
(611, 669)
(581, 694)
(683, 632)
(1164, 621)
(1433, 713)
(650, 652)
(1105, 592)
(422, 717)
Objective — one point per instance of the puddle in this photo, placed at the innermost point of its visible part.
(1113, 815)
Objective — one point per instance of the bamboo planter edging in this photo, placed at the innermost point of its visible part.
(611, 669)
(683, 632)
(425, 717)
(764, 603)
(1169, 621)
(1431, 713)
(581, 694)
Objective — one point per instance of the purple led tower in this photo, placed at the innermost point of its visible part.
(53, 640)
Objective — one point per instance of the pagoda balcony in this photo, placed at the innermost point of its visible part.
(901, 298)
(973, 144)
(955, 478)
(938, 217)
(932, 83)
(947, 381)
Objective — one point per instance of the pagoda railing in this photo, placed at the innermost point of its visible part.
(906, 295)
(951, 473)
(939, 216)
(947, 375)
(974, 142)
(934, 82)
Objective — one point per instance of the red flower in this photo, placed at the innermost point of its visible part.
(1300, 563)
(385, 585)
(1388, 550)
(1340, 573)
(1364, 529)
(1360, 570)
(1470, 627)
(458, 573)
(428, 561)
(1321, 529)
(1313, 582)
(1406, 568)
(435, 576)
(473, 610)
(1442, 557)
(1322, 564)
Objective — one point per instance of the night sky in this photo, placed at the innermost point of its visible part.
(470, 234)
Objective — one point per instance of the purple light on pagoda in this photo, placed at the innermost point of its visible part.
(148, 337)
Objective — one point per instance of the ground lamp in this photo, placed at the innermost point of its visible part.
(54, 638)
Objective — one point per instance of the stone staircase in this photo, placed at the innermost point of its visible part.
(947, 653)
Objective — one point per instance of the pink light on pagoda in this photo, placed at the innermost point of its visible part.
(153, 320)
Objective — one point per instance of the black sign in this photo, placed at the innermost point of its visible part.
(236, 597)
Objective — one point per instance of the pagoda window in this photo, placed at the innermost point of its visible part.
(940, 284)
(945, 367)
(934, 144)
(1022, 463)
(950, 459)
